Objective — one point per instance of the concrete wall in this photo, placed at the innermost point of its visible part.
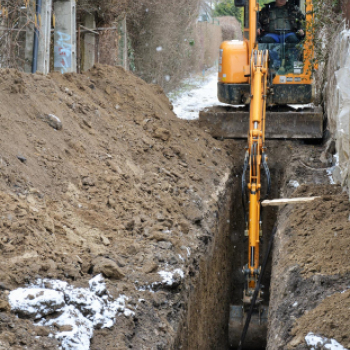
(337, 104)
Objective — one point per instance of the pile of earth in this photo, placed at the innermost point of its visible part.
(310, 297)
(98, 176)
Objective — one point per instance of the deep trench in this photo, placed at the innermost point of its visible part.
(220, 282)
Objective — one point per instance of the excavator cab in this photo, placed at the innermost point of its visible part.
(290, 83)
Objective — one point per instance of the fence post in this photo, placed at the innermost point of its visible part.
(89, 54)
(65, 36)
(45, 37)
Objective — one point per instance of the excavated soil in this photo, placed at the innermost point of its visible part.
(99, 176)
(310, 274)
(121, 188)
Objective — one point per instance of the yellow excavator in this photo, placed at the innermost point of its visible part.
(261, 83)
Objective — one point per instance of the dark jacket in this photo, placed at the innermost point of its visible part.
(288, 17)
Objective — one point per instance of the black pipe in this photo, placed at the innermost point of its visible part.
(36, 36)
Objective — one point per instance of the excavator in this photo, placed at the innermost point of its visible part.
(261, 84)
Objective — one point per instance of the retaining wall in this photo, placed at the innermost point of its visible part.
(337, 104)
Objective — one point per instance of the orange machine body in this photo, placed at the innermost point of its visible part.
(234, 55)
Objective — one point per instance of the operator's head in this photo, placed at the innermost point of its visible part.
(280, 3)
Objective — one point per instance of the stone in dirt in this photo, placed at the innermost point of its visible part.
(52, 120)
(107, 267)
(162, 134)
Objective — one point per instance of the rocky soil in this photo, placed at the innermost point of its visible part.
(99, 177)
(122, 225)
(310, 273)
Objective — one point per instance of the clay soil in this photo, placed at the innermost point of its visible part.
(124, 189)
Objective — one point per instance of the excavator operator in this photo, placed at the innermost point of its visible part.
(281, 21)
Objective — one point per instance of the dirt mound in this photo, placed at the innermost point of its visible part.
(99, 176)
(311, 273)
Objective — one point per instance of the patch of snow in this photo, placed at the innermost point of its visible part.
(168, 276)
(298, 106)
(35, 303)
(169, 279)
(336, 159)
(313, 340)
(81, 310)
(159, 48)
(204, 94)
(181, 258)
(294, 183)
(97, 285)
(319, 342)
(329, 173)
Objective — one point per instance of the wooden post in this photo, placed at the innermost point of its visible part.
(283, 201)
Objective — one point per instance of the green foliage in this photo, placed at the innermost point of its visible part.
(228, 8)
(263, 2)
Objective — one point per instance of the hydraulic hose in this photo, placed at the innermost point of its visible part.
(244, 186)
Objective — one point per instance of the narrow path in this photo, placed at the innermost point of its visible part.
(202, 93)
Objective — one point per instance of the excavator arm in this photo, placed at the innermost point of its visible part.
(256, 139)
(255, 160)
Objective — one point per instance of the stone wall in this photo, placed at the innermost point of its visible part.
(337, 104)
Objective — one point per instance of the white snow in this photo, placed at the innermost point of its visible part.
(317, 342)
(159, 48)
(36, 303)
(202, 95)
(80, 310)
(169, 279)
(293, 183)
(168, 276)
(330, 170)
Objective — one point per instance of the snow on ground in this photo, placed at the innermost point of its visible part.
(170, 279)
(202, 94)
(293, 183)
(79, 310)
(317, 342)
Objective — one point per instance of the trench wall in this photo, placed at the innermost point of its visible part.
(337, 104)
(205, 324)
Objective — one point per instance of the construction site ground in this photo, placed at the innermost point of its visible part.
(100, 178)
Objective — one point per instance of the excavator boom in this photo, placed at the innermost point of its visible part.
(256, 158)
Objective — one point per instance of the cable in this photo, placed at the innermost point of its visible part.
(257, 288)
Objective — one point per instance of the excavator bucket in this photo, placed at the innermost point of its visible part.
(257, 332)
(282, 122)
